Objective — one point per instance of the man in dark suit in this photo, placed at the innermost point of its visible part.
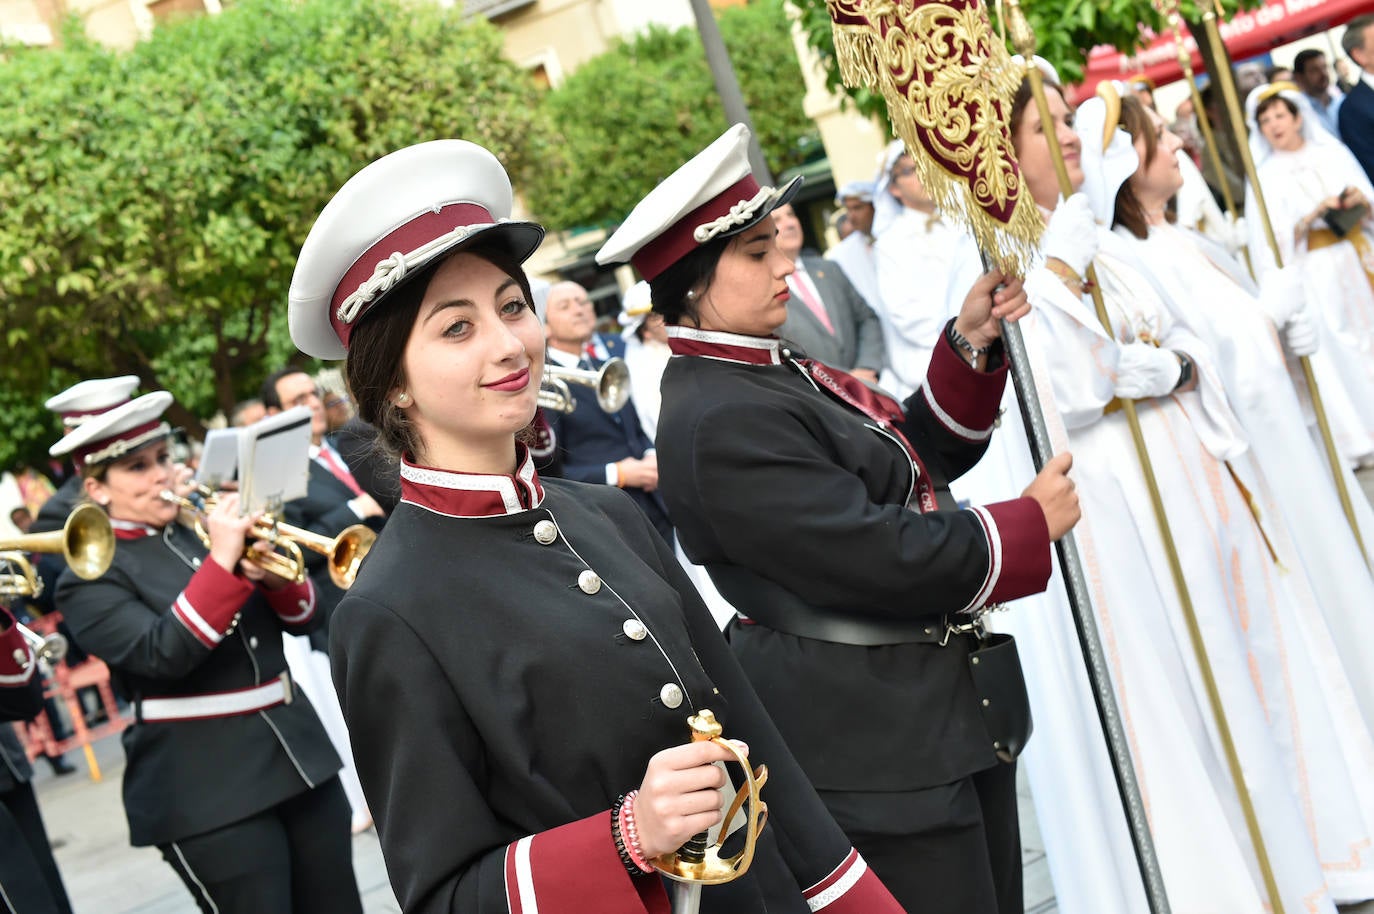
(1357, 111)
(593, 445)
(333, 500)
(827, 318)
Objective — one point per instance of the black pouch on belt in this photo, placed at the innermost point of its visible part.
(1001, 687)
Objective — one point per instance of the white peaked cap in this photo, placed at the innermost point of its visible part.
(402, 212)
(120, 431)
(90, 398)
(714, 195)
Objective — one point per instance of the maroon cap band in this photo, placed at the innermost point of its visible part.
(677, 241)
(404, 239)
(128, 434)
(77, 416)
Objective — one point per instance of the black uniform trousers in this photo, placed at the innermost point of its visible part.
(29, 881)
(962, 855)
(284, 860)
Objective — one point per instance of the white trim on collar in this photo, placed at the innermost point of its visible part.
(719, 338)
(453, 486)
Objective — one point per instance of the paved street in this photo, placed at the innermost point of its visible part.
(104, 875)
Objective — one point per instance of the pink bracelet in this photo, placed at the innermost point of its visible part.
(630, 833)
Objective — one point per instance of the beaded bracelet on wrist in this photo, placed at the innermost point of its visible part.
(630, 832)
(962, 342)
(630, 856)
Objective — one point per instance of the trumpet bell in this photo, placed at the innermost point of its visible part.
(611, 382)
(347, 552)
(86, 541)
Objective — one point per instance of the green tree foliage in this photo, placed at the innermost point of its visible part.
(1065, 31)
(154, 200)
(626, 119)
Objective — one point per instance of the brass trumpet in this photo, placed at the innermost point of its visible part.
(611, 383)
(51, 648)
(344, 552)
(695, 863)
(86, 541)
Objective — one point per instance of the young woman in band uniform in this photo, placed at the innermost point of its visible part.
(522, 654)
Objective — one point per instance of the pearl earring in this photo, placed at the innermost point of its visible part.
(402, 398)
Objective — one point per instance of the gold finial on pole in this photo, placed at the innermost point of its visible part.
(1234, 109)
(1026, 46)
(1169, 10)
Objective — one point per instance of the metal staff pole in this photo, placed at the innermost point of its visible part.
(1089, 638)
(1170, 10)
(1024, 39)
(1233, 107)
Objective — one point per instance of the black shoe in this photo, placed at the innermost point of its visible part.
(60, 765)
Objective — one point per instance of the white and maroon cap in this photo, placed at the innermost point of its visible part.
(713, 195)
(398, 214)
(120, 431)
(90, 398)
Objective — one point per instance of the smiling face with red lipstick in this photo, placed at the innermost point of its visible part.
(471, 366)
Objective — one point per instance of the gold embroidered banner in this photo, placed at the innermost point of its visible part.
(949, 84)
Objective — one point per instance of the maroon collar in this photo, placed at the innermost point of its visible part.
(473, 494)
(132, 530)
(726, 347)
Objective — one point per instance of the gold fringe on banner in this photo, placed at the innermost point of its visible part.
(949, 86)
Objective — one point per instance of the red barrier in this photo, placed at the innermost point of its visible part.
(37, 736)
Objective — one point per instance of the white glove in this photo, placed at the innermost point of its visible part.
(1281, 294)
(1071, 235)
(1235, 234)
(1300, 333)
(1144, 371)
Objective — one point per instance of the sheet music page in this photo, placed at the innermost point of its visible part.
(219, 461)
(274, 460)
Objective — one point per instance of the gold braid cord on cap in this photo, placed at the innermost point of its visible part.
(949, 86)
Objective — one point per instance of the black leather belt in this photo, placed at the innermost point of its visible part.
(776, 607)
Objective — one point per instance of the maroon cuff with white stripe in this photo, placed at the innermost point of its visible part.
(208, 604)
(1018, 550)
(294, 604)
(851, 888)
(964, 399)
(16, 657)
(559, 870)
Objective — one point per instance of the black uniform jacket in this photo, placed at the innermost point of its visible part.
(515, 672)
(21, 698)
(805, 499)
(166, 630)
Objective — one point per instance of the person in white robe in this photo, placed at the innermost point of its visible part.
(1302, 172)
(854, 254)
(914, 254)
(1329, 763)
(1194, 812)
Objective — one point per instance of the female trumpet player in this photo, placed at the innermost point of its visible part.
(229, 774)
(522, 654)
(812, 501)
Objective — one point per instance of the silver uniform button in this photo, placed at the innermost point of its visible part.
(253, 642)
(21, 657)
(634, 629)
(670, 695)
(545, 532)
(589, 581)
